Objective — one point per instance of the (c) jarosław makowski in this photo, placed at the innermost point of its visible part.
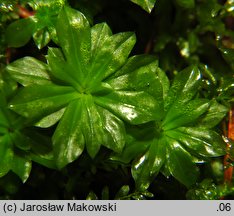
(68, 207)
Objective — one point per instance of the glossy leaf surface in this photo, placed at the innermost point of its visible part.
(36, 75)
(181, 135)
(22, 167)
(19, 32)
(80, 85)
(180, 164)
(147, 167)
(15, 144)
(214, 115)
(40, 25)
(6, 155)
(182, 127)
(37, 101)
(147, 5)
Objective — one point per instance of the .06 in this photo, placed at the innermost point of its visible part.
(225, 207)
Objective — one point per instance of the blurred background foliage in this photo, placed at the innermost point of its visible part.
(180, 33)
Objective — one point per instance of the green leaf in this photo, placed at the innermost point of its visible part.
(51, 119)
(6, 155)
(134, 107)
(140, 73)
(92, 196)
(53, 5)
(61, 70)
(68, 139)
(147, 5)
(14, 144)
(228, 55)
(99, 33)
(131, 151)
(46, 160)
(93, 133)
(114, 130)
(7, 5)
(74, 36)
(4, 122)
(94, 126)
(20, 140)
(176, 156)
(185, 114)
(7, 85)
(164, 82)
(41, 149)
(226, 88)
(214, 115)
(12, 140)
(138, 140)
(41, 100)
(111, 55)
(186, 3)
(184, 87)
(41, 25)
(19, 32)
(41, 38)
(147, 166)
(53, 34)
(123, 192)
(206, 190)
(29, 71)
(105, 193)
(202, 141)
(22, 167)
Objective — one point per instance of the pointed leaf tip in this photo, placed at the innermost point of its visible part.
(147, 5)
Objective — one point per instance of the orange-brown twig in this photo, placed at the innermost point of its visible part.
(8, 55)
(228, 168)
(24, 13)
(149, 46)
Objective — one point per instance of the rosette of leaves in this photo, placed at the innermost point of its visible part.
(17, 145)
(40, 26)
(77, 86)
(10, 139)
(183, 136)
